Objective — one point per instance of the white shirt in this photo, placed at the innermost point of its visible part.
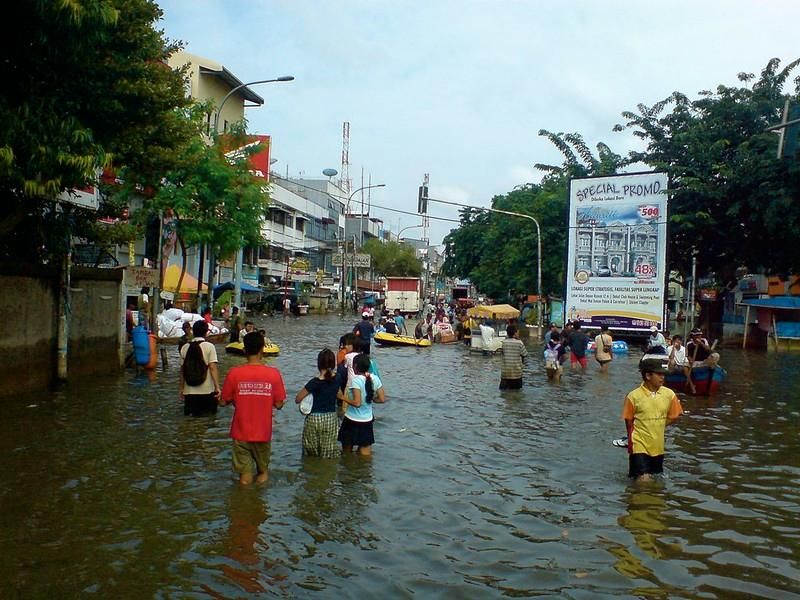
(657, 340)
(678, 356)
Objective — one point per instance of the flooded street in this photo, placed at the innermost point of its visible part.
(109, 491)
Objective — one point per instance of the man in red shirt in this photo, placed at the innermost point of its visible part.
(253, 388)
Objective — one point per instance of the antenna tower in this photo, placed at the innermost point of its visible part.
(344, 179)
(426, 222)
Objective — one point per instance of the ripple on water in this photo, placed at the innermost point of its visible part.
(471, 493)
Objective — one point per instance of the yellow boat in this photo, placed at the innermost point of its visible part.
(393, 339)
(238, 348)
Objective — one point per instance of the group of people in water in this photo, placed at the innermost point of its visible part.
(572, 342)
(338, 400)
(339, 417)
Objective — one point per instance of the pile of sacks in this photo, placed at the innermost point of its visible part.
(170, 323)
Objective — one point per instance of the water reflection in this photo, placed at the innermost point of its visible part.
(246, 554)
(107, 489)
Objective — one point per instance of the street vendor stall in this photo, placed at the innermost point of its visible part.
(488, 329)
(493, 311)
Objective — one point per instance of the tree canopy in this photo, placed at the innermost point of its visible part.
(392, 259)
(498, 252)
(732, 200)
(85, 87)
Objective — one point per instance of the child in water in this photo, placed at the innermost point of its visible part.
(553, 353)
(321, 424)
(364, 390)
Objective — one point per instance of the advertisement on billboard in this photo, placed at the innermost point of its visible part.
(617, 246)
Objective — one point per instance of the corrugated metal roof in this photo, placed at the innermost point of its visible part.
(233, 82)
(777, 302)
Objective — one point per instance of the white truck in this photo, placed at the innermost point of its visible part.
(404, 293)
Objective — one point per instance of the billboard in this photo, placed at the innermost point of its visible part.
(617, 247)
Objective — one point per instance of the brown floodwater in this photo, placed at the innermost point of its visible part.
(109, 491)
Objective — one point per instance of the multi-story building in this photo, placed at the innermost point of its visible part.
(615, 249)
(211, 81)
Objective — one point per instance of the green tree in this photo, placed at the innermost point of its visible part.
(732, 200)
(498, 252)
(392, 259)
(85, 87)
(216, 201)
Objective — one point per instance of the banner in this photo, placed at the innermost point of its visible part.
(616, 259)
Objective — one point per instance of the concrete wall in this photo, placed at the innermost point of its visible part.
(29, 312)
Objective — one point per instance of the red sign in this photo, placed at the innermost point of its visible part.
(259, 161)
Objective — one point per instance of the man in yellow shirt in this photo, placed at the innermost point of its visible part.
(647, 411)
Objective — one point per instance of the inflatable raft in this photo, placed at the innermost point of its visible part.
(618, 346)
(393, 339)
(238, 348)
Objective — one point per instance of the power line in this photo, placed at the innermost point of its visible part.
(405, 212)
(397, 210)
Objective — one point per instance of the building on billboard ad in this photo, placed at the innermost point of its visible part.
(617, 246)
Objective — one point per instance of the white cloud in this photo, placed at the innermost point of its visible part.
(460, 88)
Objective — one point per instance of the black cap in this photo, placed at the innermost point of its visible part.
(653, 365)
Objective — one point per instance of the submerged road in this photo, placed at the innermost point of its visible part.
(109, 491)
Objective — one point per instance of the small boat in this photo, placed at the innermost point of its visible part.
(238, 348)
(394, 339)
(618, 346)
(707, 381)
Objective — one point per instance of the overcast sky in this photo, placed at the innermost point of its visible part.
(460, 88)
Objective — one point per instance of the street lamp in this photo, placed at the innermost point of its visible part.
(360, 235)
(538, 241)
(400, 235)
(243, 85)
(237, 279)
(361, 221)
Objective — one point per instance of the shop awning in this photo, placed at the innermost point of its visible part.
(188, 285)
(493, 311)
(228, 285)
(776, 303)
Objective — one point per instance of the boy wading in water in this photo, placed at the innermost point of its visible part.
(647, 411)
(254, 389)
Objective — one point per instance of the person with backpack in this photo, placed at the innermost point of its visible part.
(254, 389)
(199, 383)
(603, 348)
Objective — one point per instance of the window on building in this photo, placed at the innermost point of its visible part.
(278, 217)
(299, 224)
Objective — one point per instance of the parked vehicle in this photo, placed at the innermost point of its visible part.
(460, 294)
(403, 293)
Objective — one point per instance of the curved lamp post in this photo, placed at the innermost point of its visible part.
(400, 235)
(360, 237)
(244, 85)
(237, 280)
(538, 243)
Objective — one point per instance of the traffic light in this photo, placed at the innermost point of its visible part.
(422, 200)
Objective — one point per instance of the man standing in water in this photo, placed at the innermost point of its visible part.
(254, 389)
(364, 330)
(647, 411)
(400, 322)
(514, 354)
